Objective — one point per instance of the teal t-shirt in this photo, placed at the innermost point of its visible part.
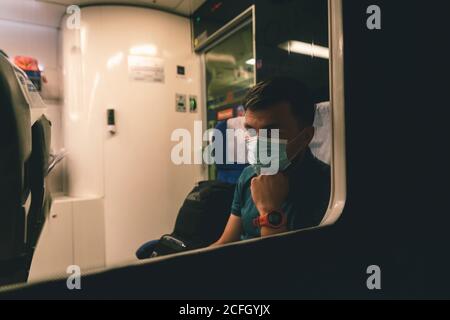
(307, 201)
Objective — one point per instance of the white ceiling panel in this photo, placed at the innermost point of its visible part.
(188, 7)
(49, 12)
(150, 3)
(32, 12)
(184, 7)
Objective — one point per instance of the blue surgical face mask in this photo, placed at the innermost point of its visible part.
(268, 156)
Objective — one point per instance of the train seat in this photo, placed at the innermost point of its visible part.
(24, 154)
(321, 143)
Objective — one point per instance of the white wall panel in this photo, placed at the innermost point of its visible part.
(54, 251)
(143, 190)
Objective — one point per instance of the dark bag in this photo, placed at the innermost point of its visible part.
(201, 220)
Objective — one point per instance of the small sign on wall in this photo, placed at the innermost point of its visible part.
(147, 69)
(193, 105)
(181, 71)
(180, 103)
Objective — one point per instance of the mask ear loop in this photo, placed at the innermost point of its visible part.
(301, 148)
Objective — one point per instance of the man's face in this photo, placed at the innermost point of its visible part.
(279, 116)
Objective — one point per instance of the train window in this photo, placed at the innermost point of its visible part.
(297, 62)
(171, 132)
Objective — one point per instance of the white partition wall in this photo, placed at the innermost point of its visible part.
(126, 58)
(73, 235)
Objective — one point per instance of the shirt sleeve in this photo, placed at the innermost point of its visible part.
(237, 199)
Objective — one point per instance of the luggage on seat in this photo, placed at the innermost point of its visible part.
(200, 222)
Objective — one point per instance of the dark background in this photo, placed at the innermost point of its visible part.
(397, 210)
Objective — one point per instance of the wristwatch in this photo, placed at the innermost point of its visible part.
(274, 220)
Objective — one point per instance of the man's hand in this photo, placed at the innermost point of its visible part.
(269, 192)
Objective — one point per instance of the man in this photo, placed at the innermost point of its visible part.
(298, 195)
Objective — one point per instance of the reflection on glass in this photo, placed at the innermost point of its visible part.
(230, 72)
(230, 69)
(119, 194)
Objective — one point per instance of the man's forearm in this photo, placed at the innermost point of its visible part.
(266, 231)
(217, 243)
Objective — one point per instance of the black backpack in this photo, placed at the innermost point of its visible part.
(201, 220)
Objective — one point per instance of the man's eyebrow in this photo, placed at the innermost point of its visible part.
(271, 126)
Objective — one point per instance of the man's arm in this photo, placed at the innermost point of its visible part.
(266, 231)
(232, 231)
(269, 193)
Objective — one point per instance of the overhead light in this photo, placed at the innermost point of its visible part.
(308, 49)
(219, 57)
(250, 61)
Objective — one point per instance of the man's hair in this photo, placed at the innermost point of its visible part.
(3, 53)
(282, 89)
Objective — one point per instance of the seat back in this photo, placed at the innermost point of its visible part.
(15, 152)
(24, 155)
(230, 172)
(38, 167)
(321, 143)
